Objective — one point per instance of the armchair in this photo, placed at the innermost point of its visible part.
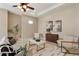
(38, 36)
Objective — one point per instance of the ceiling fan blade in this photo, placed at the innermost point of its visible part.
(24, 4)
(24, 10)
(14, 5)
(30, 7)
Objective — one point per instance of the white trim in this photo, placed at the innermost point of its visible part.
(49, 9)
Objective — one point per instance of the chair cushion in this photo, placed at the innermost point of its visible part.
(7, 50)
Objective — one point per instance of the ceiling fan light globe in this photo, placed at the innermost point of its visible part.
(19, 7)
(24, 6)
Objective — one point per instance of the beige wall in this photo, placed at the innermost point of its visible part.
(28, 30)
(70, 20)
(3, 22)
(13, 20)
(76, 20)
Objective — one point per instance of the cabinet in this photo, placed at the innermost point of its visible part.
(52, 37)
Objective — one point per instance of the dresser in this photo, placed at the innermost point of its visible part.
(52, 37)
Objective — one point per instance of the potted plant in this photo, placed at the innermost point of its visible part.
(13, 32)
(48, 30)
(23, 50)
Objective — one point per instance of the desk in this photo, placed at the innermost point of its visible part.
(69, 42)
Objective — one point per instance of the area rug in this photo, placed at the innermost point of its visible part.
(51, 49)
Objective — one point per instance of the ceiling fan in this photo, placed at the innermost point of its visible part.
(24, 6)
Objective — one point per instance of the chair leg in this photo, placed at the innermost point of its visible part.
(61, 46)
(41, 48)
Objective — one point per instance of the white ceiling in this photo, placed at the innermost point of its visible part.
(40, 8)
